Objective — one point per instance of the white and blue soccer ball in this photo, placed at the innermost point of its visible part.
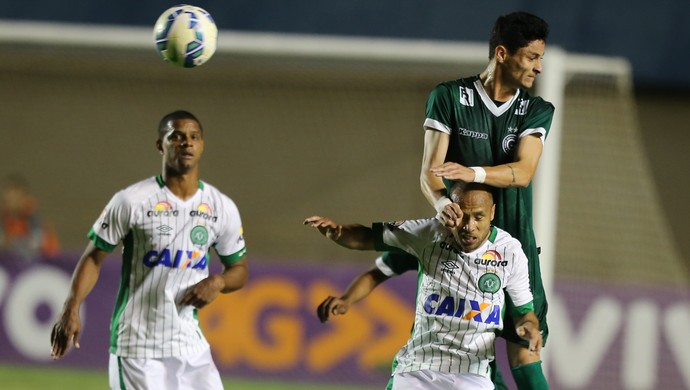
(186, 35)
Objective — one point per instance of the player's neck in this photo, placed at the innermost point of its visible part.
(493, 83)
(183, 185)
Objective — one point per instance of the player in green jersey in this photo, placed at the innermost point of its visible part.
(490, 129)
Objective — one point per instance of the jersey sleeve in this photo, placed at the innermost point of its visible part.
(538, 120)
(394, 263)
(230, 244)
(439, 109)
(517, 286)
(113, 224)
(409, 236)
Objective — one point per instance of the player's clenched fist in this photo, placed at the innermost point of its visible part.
(331, 306)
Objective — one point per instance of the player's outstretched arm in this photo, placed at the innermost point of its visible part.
(358, 289)
(527, 327)
(67, 328)
(353, 236)
(233, 278)
(516, 174)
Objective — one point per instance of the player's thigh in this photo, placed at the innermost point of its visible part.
(200, 372)
(432, 380)
(130, 373)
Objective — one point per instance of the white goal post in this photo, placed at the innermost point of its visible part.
(559, 66)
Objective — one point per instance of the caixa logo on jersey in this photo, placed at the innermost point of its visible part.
(204, 211)
(467, 309)
(162, 209)
(178, 259)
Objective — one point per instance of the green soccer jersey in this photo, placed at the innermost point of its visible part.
(485, 133)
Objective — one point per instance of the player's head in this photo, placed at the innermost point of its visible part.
(517, 30)
(180, 141)
(517, 45)
(165, 125)
(477, 204)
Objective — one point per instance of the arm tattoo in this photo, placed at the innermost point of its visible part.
(512, 171)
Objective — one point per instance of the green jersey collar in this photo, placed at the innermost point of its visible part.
(161, 182)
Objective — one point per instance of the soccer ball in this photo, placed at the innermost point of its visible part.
(185, 36)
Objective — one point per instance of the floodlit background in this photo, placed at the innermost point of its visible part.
(316, 108)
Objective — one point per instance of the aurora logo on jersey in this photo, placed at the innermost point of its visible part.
(491, 258)
(467, 96)
(180, 259)
(204, 211)
(450, 247)
(467, 309)
(162, 209)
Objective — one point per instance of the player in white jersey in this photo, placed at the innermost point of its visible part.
(167, 225)
(463, 274)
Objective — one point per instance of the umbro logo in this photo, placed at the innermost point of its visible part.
(164, 229)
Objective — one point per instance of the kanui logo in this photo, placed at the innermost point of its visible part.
(477, 311)
(162, 209)
(180, 259)
(204, 211)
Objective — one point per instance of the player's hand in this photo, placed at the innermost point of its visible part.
(331, 306)
(65, 331)
(204, 292)
(326, 226)
(527, 331)
(453, 171)
(451, 216)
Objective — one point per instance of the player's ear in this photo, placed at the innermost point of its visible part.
(501, 52)
(159, 145)
(493, 211)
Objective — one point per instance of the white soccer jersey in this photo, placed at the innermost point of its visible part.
(166, 244)
(459, 297)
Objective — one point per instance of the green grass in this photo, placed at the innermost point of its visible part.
(30, 378)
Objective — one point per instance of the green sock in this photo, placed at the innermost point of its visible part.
(530, 377)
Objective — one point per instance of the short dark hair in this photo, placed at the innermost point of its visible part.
(517, 30)
(458, 188)
(173, 116)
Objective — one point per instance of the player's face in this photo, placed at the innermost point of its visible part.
(522, 67)
(478, 212)
(182, 145)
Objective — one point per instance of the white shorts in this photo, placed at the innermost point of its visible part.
(183, 373)
(432, 380)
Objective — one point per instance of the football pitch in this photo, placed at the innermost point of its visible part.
(31, 378)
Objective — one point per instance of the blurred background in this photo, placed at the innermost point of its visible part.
(316, 108)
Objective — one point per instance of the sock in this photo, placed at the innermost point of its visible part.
(530, 377)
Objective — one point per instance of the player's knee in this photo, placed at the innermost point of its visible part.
(520, 354)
